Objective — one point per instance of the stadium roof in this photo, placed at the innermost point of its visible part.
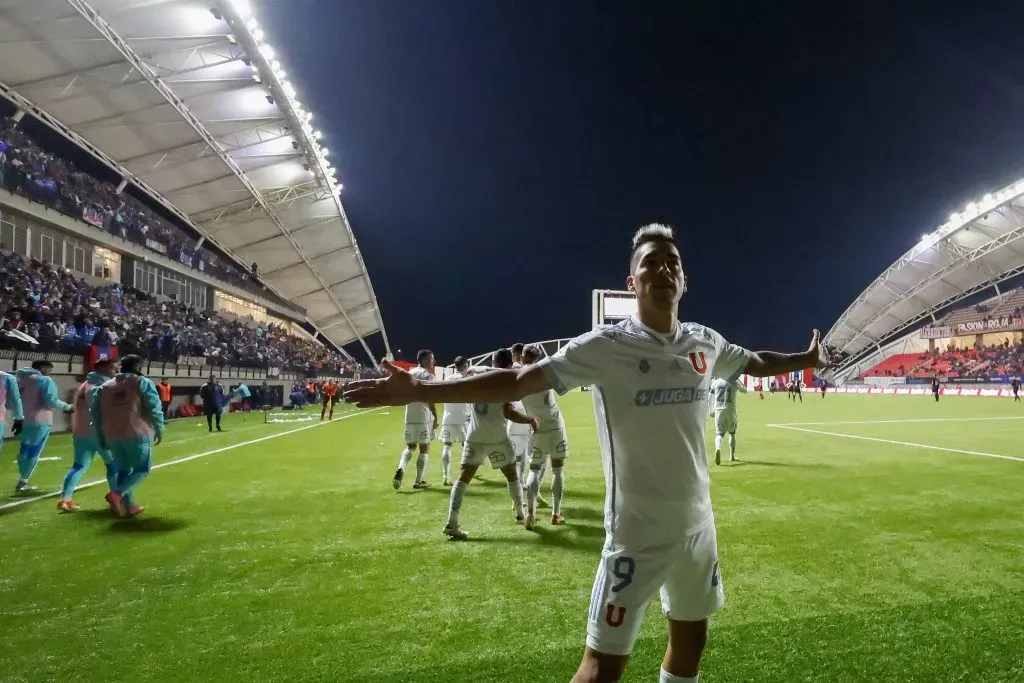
(976, 249)
(188, 101)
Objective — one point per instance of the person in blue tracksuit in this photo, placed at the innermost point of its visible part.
(10, 405)
(128, 419)
(212, 394)
(83, 438)
(39, 399)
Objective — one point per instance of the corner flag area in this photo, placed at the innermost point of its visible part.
(860, 538)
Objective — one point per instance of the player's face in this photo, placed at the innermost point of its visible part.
(657, 276)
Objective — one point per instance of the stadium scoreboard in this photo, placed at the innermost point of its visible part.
(610, 306)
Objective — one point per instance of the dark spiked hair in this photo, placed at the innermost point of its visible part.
(652, 232)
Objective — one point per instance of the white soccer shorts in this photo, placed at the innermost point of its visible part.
(500, 454)
(452, 433)
(686, 573)
(550, 443)
(520, 444)
(725, 422)
(418, 433)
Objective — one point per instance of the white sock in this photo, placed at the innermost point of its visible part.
(666, 677)
(557, 486)
(515, 489)
(521, 468)
(718, 442)
(532, 487)
(732, 446)
(421, 464)
(455, 503)
(543, 471)
(446, 460)
(404, 460)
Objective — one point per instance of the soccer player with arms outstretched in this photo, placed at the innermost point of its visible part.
(723, 398)
(548, 442)
(420, 418)
(454, 421)
(487, 439)
(651, 378)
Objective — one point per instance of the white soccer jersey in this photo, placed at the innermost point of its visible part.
(651, 403)
(543, 407)
(455, 413)
(514, 428)
(723, 394)
(419, 413)
(486, 424)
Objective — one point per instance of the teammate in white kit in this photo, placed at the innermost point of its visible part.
(454, 421)
(517, 433)
(487, 439)
(651, 377)
(420, 418)
(723, 399)
(548, 442)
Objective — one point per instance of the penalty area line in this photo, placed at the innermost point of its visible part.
(196, 456)
(893, 422)
(898, 443)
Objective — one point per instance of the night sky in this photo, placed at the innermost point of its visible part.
(497, 155)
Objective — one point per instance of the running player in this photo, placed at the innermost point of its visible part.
(488, 439)
(39, 400)
(127, 419)
(650, 376)
(83, 438)
(454, 422)
(329, 391)
(723, 398)
(420, 419)
(548, 442)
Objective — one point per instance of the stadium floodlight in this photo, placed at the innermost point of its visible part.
(317, 134)
(256, 77)
(267, 52)
(232, 39)
(954, 218)
(253, 25)
(258, 35)
(324, 151)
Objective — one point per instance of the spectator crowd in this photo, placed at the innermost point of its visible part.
(31, 171)
(65, 313)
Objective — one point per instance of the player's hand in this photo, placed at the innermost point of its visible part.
(69, 410)
(397, 389)
(534, 424)
(157, 439)
(823, 354)
(17, 427)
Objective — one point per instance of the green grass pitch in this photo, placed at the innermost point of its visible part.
(292, 559)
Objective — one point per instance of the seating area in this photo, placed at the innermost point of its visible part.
(990, 361)
(65, 313)
(28, 168)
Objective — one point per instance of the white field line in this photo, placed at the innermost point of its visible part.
(899, 443)
(32, 499)
(884, 422)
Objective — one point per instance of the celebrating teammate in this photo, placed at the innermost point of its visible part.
(83, 438)
(128, 420)
(39, 400)
(548, 442)
(453, 422)
(723, 397)
(487, 439)
(519, 434)
(420, 419)
(650, 375)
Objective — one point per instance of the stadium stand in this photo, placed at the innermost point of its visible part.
(66, 313)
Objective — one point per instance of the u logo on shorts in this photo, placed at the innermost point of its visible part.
(613, 618)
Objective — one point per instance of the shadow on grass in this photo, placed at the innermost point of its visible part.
(147, 525)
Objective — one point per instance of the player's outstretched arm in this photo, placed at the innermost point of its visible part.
(513, 415)
(768, 363)
(400, 388)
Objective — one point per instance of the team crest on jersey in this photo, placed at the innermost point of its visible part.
(645, 366)
(699, 362)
